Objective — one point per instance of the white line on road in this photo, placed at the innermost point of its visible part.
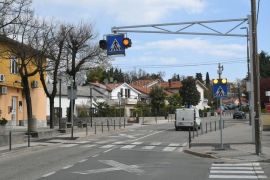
(137, 143)
(155, 143)
(237, 177)
(128, 147)
(242, 164)
(148, 135)
(83, 142)
(148, 147)
(108, 150)
(169, 149)
(184, 144)
(48, 174)
(83, 160)
(107, 146)
(96, 155)
(66, 167)
(119, 142)
(242, 168)
(174, 144)
(236, 172)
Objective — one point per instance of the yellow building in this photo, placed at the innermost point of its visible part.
(12, 100)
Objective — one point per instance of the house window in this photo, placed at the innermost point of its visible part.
(13, 66)
(121, 92)
(128, 93)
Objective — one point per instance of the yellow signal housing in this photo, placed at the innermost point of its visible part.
(215, 81)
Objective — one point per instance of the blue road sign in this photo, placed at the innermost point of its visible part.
(115, 44)
(220, 90)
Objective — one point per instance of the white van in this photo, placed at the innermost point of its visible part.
(186, 117)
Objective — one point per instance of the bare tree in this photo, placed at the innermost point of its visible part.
(11, 11)
(54, 50)
(82, 51)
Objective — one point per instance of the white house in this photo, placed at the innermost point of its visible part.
(203, 101)
(121, 93)
(83, 99)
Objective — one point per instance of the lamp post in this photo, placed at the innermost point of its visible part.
(60, 106)
(91, 109)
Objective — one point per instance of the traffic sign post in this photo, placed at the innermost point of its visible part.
(219, 91)
(115, 44)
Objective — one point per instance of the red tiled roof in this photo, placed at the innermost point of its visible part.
(142, 82)
(112, 86)
(171, 85)
(142, 89)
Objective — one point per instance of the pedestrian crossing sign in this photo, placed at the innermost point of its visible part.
(115, 44)
(220, 90)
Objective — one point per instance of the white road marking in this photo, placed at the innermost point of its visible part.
(236, 172)
(69, 145)
(83, 160)
(237, 177)
(96, 155)
(107, 146)
(148, 147)
(137, 143)
(108, 150)
(103, 142)
(48, 174)
(66, 167)
(174, 144)
(148, 135)
(241, 164)
(116, 166)
(169, 149)
(126, 135)
(119, 142)
(239, 168)
(155, 143)
(88, 145)
(128, 147)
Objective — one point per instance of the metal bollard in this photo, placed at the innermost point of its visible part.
(114, 124)
(210, 126)
(119, 124)
(102, 127)
(95, 128)
(189, 138)
(201, 128)
(108, 125)
(206, 127)
(197, 131)
(10, 140)
(193, 132)
(86, 129)
(215, 125)
(223, 124)
(124, 122)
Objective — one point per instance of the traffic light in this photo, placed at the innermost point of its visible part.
(103, 44)
(127, 42)
(219, 81)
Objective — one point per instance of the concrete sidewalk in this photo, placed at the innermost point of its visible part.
(237, 140)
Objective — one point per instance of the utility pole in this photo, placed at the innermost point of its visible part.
(60, 108)
(219, 71)
(91, 109)
(256, 81)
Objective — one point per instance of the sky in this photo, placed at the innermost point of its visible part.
(185, 55)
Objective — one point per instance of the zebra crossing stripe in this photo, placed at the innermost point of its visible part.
(174, 144)
(148, 147)
(237, 177)
(107, 146)
(169, 149)
(89, 145)
(137, 143)
(239, 168)
(237, 171)
(128, 147)
(119, 142)
(155, 143)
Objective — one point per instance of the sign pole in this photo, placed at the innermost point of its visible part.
(221, 124)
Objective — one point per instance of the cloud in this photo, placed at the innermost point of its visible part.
(195, 45)
(131, 11)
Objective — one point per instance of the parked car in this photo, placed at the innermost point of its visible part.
(239, 115)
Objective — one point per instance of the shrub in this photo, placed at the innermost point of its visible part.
(3, 122)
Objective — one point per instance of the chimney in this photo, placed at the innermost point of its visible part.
(170, 82)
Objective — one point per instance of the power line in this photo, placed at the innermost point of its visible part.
(182, 65)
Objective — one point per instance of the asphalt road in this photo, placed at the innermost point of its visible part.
(149, 152)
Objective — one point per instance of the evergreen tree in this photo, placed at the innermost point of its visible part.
(199, 77)
(189, 92)
(207, 79)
